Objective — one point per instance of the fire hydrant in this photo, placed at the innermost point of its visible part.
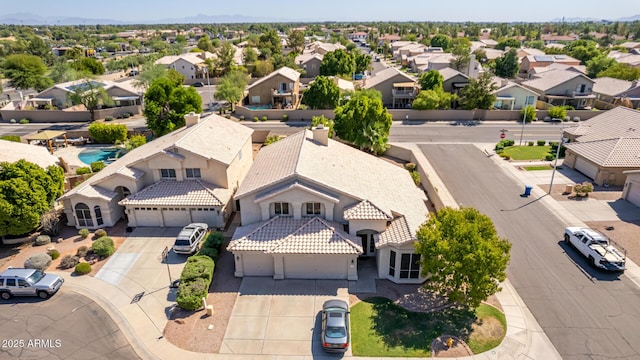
(449, 342)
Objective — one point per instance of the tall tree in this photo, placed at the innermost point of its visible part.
(507, 65)
(599, 64)
(462, 55)
(511, 43)
(26, 72)
(166, 104)
(322, 94)
(149, 74)
(463, 254)
(296, 41)
(205, 44)
(364, 121)
(250, 55)
(621, 71)
(231, 87)
(61, 72)
(362, 62)
(91, 94)
(433, 99)
(224, 60)
(479, 93)
(430, 80)
(38, 47)
(338, 62)
(270, 44)
(442, 41)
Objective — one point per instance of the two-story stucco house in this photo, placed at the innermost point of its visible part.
(563, 87)
(280, 89)
(186, 176)
(311, 207)
(397, 88)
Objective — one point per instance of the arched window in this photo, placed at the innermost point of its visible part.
(84, 215)
(96, 209)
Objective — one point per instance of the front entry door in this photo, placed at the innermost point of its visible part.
(368, 244)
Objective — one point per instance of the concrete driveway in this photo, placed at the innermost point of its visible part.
(137, 268)
(280, 317)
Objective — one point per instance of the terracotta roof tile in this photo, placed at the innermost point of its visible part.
(397, 233)
(365, 210)
(620, 152)
(180, 193)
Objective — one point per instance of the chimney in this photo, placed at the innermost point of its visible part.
(321, 135)
(191, 119)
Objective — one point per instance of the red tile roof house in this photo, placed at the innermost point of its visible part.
(174, 180)
(310, 208)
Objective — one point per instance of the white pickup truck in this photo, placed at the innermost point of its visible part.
(596, 248)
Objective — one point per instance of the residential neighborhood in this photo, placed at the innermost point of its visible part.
(270, 187)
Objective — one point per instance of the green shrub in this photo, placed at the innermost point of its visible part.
(100, 233)
(530, 143)
(271, 139)
(54, 254)
(42, 240)
(549, 157)
(583, 189)
(541, 142)
(83, 233)
(107, 133)
(505, 156)
(264, 118)
(108, 118)
(214, 241)
(82, 251)
(410, 166)
(24, 121)
(255, 119)
(558, 112)
(14, 138)
(528, 113)
(83, 171)
(194, 282)
(83, 268)
(416, 177)
(210, 252)
(554, 149)
(103, 247)
(38, 261)
(68, 261)
(97, 166)
(285, 117)
(569, 107)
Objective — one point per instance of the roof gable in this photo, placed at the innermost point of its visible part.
(287, 72)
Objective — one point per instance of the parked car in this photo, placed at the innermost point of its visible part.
(335, 326)
(28, 282)
(133, 73)
(189, 238)
(198, 84)
(596, 248)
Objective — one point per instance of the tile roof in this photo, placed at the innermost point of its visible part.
(287, 72)
(551, 79)
(620, 152)
(611, 86)
(196, 139)
(615, 123)
(386, 75)
(397, 233)
(13, 151)
(448, 73)
(284, 235)
(365, 210)
(340, 168)
(180, 193)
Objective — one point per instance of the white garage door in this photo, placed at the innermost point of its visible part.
(177, 217)
(204, 215)
(633, 195)
(148, 217)
(315, 267)
(588, 168)
(257, 265)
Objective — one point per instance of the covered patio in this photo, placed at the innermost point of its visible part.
(49, 137)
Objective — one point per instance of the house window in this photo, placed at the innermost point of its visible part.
(313, 66)
(313, 208)
(84, 215)
(410, 266)
(529, 100)
(392, 264)
(168, 173)
(193, 173)
(96, 209)
(255, 99)
(283, 87)
(281, 208)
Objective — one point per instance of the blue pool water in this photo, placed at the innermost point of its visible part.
(101, 154)
(258, 107)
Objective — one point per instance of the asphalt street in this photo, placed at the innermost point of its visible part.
(66, 326)
(586, 313)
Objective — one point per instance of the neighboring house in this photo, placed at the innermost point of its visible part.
(490, 43)
(403, 53)
(311, 207)
(493, 54)
(280, 89)
(318, 47)
(604, 147)
(310, 63)
(536, 71)
(630, 59)
(631, 191)
(563, 87)
(360, 36)
(511, 96)
(532, 61)
(524, 52)
(122, 94)
(397, 88)
(190, 65)
(612, 91)
(554, 38)
(188, 175)
(389, 38)
(453, 80)
(343, 85)
(430, 61)
(13, 151)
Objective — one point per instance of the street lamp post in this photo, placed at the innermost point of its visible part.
(555, 165)
(209, 88)
(524, 118)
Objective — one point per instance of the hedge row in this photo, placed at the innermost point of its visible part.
(107, 133)
(194, 282)
(212, 246)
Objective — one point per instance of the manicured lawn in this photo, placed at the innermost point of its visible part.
(527, 152)
(536, 168)
(381, 328)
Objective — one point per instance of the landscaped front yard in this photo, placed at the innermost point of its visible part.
(527, 152)
(379, 327)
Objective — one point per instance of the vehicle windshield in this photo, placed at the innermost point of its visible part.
(182, 242)
(335, 332)
(35, 277)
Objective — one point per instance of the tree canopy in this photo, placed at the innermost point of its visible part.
(464, 255)
(231, 87)
(27, 191)
(479, 93)
(90, 94)
(512, 43)
(430, 80)
(338, 62)
(440, 40)
(166, 104)
(433, 99)
(26, 72)
(322, 94)
(364, 121)
(507, 65)
(296, 41)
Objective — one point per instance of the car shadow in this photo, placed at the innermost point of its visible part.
(581, 263)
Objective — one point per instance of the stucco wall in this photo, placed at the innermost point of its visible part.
(52, 116)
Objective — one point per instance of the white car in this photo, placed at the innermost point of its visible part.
(596, 248)
(189, 238)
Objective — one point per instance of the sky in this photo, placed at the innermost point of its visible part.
(330, 10)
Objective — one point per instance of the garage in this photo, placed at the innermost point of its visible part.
(316, 267)
(147, 216)
(205, 215)
(633, 194)
(586, 167)
(176, 217)
(257, 264)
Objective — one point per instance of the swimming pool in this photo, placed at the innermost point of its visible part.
(99, 154)
(258, 107)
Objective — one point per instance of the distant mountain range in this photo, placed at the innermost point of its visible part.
(32, 19)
